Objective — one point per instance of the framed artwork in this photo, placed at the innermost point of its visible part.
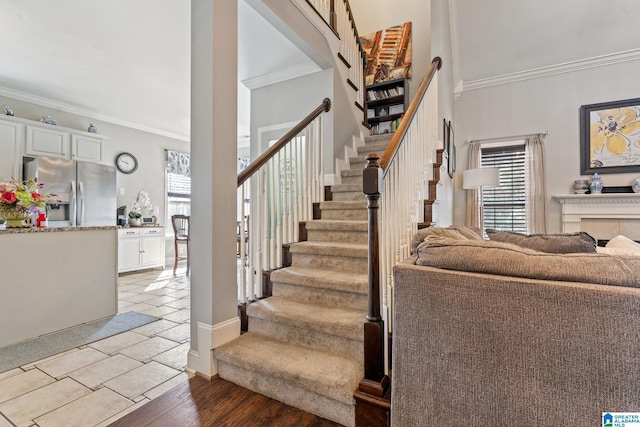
(387, 54)
(451, 167)
(610, 137)
(445, 139)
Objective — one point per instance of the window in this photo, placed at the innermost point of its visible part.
(178, 181)
(505, 206)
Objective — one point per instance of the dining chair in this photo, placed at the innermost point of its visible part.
(181, 230)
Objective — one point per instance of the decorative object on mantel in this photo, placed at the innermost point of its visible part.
(92, 128)
(48, 120)
(619, 189)
(580, 186)
(142, 202)
(596, 184)
(7, 110)
(18, 201)
(636, 185)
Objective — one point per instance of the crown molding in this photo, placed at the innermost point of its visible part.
(73, 109)
(566, 67)
(286, 73)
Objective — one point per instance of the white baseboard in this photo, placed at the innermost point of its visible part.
(201, 360)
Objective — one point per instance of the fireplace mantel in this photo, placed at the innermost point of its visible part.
(576, 207)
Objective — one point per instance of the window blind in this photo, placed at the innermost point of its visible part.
(505, 205)
(178, 174)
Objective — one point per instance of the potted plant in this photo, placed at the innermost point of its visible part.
(19, 200)
(142, 202)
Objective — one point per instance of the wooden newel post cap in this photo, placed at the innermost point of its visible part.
(372, 176)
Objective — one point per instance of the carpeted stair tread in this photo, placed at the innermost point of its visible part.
(378, 148)
(337, 225)
(345, 323)
(372, 139)
(351, 172)
(322, 372)
(324, 279)
(348, 250)
(338, 188)
(344, 205)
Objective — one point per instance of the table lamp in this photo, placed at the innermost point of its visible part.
(474, 179)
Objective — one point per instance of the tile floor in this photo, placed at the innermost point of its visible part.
(96, 384)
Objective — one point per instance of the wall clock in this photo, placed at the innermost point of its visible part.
(126, 162)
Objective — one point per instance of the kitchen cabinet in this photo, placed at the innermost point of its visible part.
(88, 148)
(10, 146)
(50, 142)
(139, 248)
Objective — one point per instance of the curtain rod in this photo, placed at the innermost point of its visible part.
(507, 137)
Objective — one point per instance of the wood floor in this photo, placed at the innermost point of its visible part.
(218, 403)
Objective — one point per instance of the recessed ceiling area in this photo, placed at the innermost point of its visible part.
(127, 62)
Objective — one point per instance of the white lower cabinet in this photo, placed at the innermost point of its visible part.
(140, 248)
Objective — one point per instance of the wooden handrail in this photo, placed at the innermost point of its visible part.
(267, 155)
(392, 148)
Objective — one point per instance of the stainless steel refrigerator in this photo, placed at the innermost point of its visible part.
(85, 191)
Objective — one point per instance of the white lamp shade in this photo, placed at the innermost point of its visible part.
(482, 177)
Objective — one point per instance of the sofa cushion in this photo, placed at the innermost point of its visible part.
(506, 259)
(551, 243)
(454, 232)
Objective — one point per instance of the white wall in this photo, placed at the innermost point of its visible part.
(544, 104)
(290, 101)
(375, 15)
(147, 147)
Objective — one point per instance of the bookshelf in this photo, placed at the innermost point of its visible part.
(386, 104)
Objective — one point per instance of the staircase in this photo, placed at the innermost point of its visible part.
(304, 345)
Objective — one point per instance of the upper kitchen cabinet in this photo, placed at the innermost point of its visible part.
(50, 142)
(10, 145)
(65, 144)
(88, 148)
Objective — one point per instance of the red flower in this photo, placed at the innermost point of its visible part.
(36, 196)
(8, 197)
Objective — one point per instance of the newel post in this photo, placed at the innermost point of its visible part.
(372, 395)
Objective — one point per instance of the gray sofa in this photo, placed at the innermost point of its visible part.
(479, 339)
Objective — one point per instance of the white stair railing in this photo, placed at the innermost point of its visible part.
(395, 188)
(339, 18)
(282, 185)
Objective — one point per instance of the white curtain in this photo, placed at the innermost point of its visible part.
(535, 184)
(473, 196)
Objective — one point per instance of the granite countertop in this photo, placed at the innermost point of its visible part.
(54, 229)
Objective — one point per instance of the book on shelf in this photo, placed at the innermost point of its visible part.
(371, 112)
(396, 109)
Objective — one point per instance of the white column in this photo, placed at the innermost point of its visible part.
(214, 321)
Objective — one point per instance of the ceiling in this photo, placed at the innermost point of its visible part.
(126, 61)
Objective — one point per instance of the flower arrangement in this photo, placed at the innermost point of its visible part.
(19, 199)
(142, 202)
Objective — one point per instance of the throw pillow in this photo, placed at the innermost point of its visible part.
(621, 245)
(580, 242)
